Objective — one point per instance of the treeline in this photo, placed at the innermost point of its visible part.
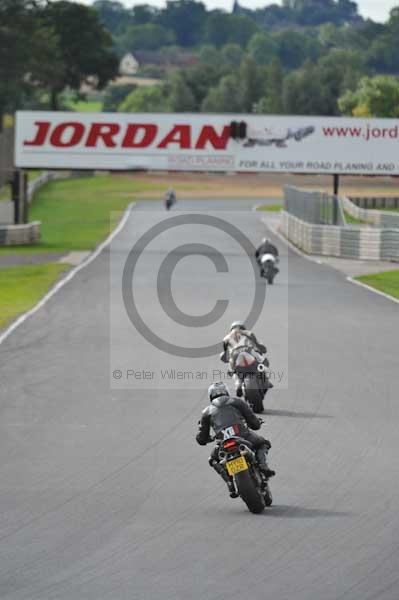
(304, 57)
(294, 32)
(187, 23)
(47, 47)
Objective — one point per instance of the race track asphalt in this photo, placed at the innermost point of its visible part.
(104, 494)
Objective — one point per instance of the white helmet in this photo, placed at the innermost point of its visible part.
(237, 325)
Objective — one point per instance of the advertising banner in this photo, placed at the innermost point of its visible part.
(201, 142)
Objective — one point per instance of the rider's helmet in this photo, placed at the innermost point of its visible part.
(237, 325)
(218, 389)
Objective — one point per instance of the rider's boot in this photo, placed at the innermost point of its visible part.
(238, 385)
(266, 471)
(262, 463)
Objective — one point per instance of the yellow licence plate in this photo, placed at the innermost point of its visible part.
(236, 466)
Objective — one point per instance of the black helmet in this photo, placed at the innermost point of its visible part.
(218, 389)
(237, 325)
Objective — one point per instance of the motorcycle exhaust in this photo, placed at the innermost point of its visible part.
(222, 455)
(261, 368)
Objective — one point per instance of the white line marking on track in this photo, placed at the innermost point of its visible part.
(70, 275)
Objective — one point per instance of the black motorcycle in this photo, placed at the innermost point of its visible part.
(169, 200)
(238, 457)
(253, 377)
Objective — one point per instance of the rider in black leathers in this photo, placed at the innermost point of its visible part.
(266, 247)
(225, 411)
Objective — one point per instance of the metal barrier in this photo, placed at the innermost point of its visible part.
(358, 242)
(6, 212)
(313, 207)
(378, 202)
(373, 217)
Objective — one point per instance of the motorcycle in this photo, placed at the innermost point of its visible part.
(169, 200)
(268, 267)
(237, 456)
(253, 376)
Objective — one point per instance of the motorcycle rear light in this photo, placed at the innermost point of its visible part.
(230, 444)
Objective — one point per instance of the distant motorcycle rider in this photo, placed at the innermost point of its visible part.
(266, 247)
(224, 412)
(239, 338)
(170, 198)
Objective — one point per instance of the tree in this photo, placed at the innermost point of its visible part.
(145, 37)
(232, 54)
(17, 31)
(242, 28)
(186, 18)
(200, 79)
(181, 99)
(217, 28)
(262, 48)
(115, 95)
(223, 28)
(272, 101)
(374, 97)
(146, 99)
(302, 92)
(225, 97)
(84, 49)
(112, 15)
(144, 14)
(251, 84)
(293, 48)
(338, 71)
(208, 55)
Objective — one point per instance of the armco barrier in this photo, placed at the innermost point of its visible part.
(364, 243)
(374, 217)
(15, 235)
(313, 206)
(300, 226)
(7, 207)
(6, 213)
(43, 178)
(378, 202)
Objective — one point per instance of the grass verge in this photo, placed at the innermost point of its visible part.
(387, 282)
(353, 221)
(77, 214)
(22, 287)
(271, 207)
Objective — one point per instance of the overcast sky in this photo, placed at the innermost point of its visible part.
(378, 10)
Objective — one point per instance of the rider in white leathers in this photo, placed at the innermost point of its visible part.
(240, 337)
